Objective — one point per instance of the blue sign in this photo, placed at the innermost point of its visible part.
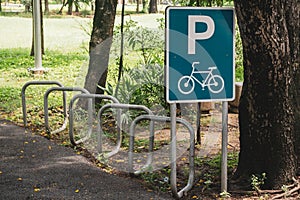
(199, 54)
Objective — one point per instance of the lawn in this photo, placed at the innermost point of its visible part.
(66, 56)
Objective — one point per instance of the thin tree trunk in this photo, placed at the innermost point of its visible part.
(145, 6)
(64, 3)
(70, 7)
(46, 11)
(267, 108)
(100, 44)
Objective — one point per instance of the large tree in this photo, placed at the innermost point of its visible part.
(270, 103)
(100, 44)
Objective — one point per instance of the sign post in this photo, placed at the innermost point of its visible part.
(200, 61)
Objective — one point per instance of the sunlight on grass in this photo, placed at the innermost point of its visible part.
(14, 63)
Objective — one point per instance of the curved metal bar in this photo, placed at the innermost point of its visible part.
(173, 151)
(119, 139)
(40, 83)
(46, 95)
(72, 101)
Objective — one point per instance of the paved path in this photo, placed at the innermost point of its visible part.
(32, 167)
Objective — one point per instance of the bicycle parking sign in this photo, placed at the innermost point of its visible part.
(199, 54)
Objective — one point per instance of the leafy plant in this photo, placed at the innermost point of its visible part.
(224, 194)
(258, 181)
(239, 69)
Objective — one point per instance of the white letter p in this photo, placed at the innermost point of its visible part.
(193, 36)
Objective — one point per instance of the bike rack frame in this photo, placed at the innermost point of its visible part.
(119, 139)
(40, 83)
(173, 151)
(64, 89)
(87, 96)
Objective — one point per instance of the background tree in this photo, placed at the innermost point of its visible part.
(137, 6)
(153, 6)
(70, 7)
(145, 6)
(100, 44)
(269, 107)
(0, 6)
(46, 11)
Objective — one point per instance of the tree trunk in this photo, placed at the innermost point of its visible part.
(100, 44)
(153, 6)
(0, 6)
(145, 6)
(137, 6)
(293, 20)
(64, 3)
(267, 109)
(70, 7)
(46, 11)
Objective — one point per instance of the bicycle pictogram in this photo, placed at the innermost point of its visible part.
(215, 83)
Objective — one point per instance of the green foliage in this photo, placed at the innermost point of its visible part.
(15, 59)
(14, 64)
(9, 98)
(214, 166)
(239, 69)
(149, 42)
(158, 180)
(258, 181)
(225, 195)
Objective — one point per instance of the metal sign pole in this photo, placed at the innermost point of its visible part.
(37, 38)
(224, 146)
(173, 148)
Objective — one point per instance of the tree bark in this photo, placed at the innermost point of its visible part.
(100, 44)
(267, 109)
(137, 6)
(46, 11)
(293, 20)
(70, 7)
(153, 6)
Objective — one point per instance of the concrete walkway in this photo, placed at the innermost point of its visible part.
(32, 167)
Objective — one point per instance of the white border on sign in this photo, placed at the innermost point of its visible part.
(167, 54)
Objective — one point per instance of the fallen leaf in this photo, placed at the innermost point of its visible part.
(76, 190)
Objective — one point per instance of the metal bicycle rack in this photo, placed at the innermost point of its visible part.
(40, 83)
(64, 89)
(173, 151)
(90, 114)
(119, 139)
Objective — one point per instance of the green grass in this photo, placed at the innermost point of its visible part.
(14, 63)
